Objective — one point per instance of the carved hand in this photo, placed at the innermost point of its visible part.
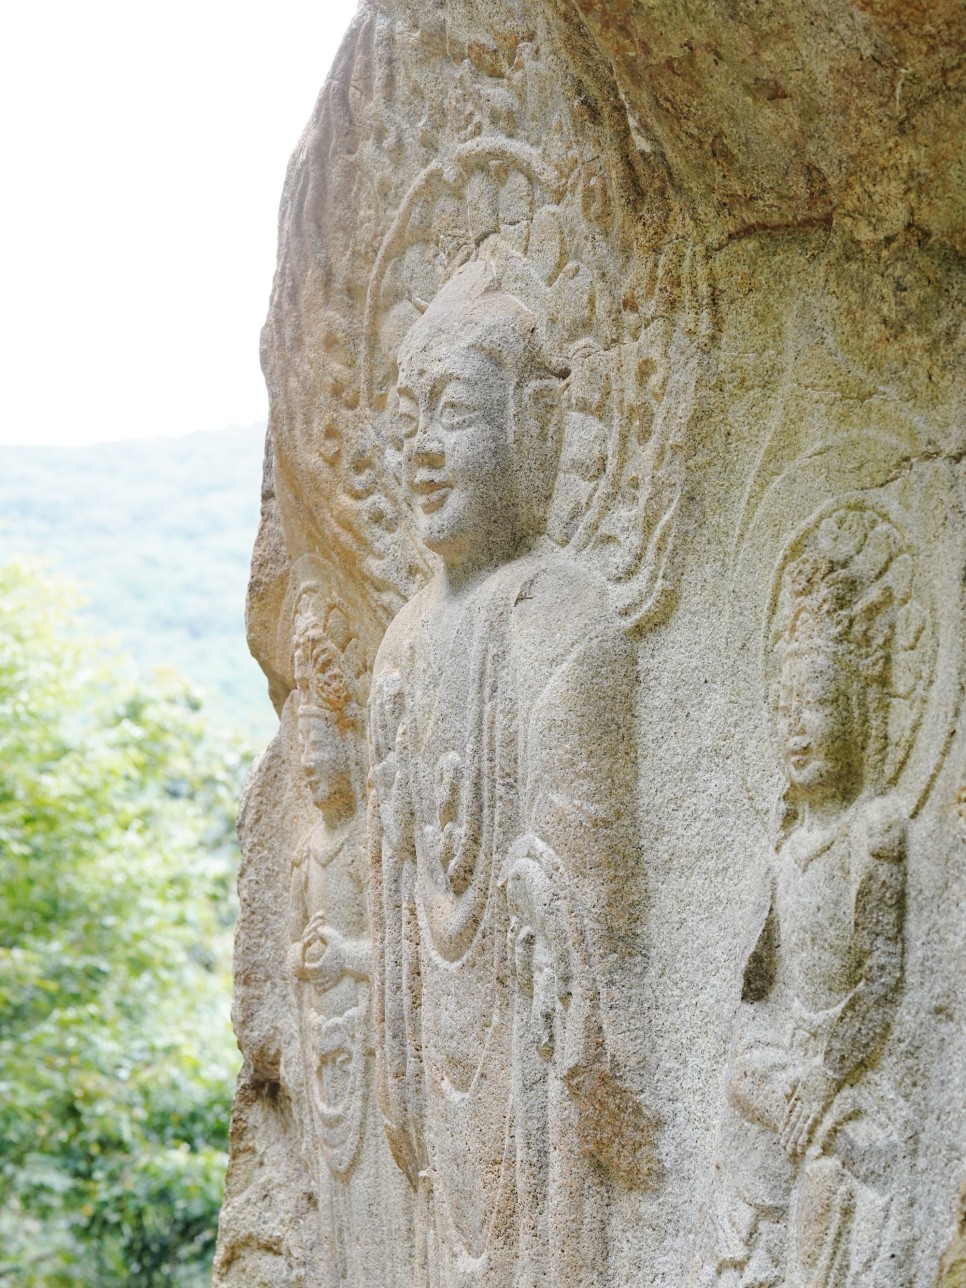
(807, 1103)
(324, 953)
(540, 942)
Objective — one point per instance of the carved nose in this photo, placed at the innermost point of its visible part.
(426, 453)
(791, 717)
(424, 449)
(798, 725)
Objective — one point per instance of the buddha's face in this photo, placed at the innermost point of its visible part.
(821, 735)
(453, 414)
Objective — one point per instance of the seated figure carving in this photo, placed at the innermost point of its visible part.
(502, 767)
(809, 1142)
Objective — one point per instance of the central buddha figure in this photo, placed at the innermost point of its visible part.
(501, 827)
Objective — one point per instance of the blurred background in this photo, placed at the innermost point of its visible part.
(144, 154)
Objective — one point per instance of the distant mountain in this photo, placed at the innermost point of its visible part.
(159, 533)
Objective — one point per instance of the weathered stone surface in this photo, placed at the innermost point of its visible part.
(602, 907)
(952, 1270)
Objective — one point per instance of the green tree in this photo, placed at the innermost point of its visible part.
(117, 860)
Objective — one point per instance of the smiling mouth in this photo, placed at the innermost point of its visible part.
(799, 755)
(431, 494)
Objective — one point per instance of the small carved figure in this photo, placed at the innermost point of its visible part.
(331, 956)
(502, 766)
(811, 1132)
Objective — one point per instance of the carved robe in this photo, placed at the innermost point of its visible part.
(487, 747)
(352, 1167)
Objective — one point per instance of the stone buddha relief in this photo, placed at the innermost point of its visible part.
(500, 826)
(330, 956)
(639, 532)
(508, 432)
(811, 1147)
(533, 444)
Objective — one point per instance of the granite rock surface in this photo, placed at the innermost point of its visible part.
(603, 901)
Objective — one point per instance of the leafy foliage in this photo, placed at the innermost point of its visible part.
(117, 858)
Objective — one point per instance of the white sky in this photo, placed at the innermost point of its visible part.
(143, 153)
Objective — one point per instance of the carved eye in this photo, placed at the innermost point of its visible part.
(406, 423)
(453, 412)
(406, 417)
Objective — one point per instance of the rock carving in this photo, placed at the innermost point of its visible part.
(613, 497)
(814, 1128)
(498, 832)
(331, 952)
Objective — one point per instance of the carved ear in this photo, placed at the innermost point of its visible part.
(539, 433)
(543, 400)
(542, 410)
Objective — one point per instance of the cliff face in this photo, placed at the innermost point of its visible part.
(602, 904)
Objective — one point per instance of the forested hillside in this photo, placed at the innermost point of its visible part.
(158, 532)
(117, 867)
